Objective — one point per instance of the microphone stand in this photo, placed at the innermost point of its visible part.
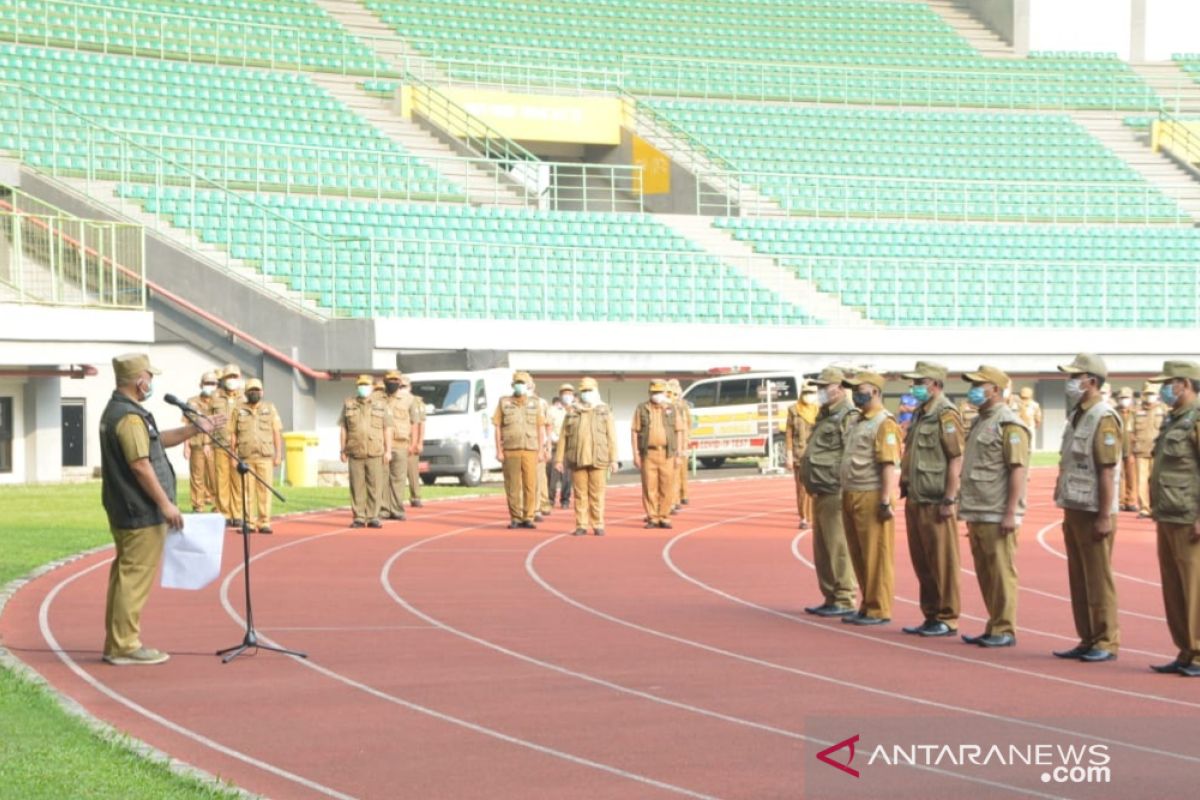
(251, 638)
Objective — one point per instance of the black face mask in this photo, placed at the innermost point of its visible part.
(253, 397)
(392, 388)
(861, 399)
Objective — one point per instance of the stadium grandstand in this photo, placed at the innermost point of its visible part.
(313, 188)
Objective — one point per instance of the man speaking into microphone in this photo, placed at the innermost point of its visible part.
(138, 491)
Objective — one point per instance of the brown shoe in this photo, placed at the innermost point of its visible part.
(143, 656)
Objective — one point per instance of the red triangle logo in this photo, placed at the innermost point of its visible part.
(824, 755)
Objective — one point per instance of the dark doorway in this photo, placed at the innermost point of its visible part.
(73, 439)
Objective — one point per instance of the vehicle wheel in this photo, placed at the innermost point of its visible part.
(428, 480)
(474, 472)
(712, 462)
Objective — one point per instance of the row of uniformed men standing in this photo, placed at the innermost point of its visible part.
(253, 431)
(852, 452)
(381, 437)
(586, 448)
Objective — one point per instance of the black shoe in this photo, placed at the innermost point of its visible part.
(528, 524)
(666, 523)
(537, 517)
(1189, 670)
(684, 502)
(385, 515)
(265, 529)
(650, 524)
(1096, 655)
(516, 523)
(803, 524)
(997, 640)
(374, 523)
(865, 620)
(1172, 668)
(235, 523)
(401, 517)
(1075, 652)
(565, 504)
(818, 609)
(545, 514)
(580, 532)
(675, 510)
(416, 502)
(852, 619)
(838, 611)
(599, 531)
(915, 629)
(358, 523)
(973, 639)
(938, 628)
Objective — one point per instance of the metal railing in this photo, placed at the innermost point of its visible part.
(134, 30)
(48, 256)
(1179, 137)
(451, 118)
(992, 292)
(755, 194)
(520, 76)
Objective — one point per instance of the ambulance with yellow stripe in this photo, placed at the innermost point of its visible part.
(732, 416)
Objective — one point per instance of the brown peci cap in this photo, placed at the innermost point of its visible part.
(522, 377)
(1149, 388)
(859, 378)
(393, 375)
(987, 374)
(566, 387)
(131, 365)
(210, 377)
(1026, 392)
(588, 383)
(658, 385)
(364, 380)
(1086, 362)
(1178, 369)
(927, 369)
(1125, 392)
(231, 371)
(829, 375)
(253, 383)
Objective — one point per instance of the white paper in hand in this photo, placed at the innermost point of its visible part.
(192, 557)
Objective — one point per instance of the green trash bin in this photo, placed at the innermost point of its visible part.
(301, 458)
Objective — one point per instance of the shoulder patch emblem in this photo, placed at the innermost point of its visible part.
(891, 438)
(950, 427)
(1014, 438)
(1109, 440)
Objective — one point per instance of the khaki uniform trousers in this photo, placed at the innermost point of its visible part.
(520, 484)
(543, 492)
(1143, 484)
(804, 501)
(129, 580)
(588, 485)
(870, 541)
(680, 486)
(413, 462)
(1089, 574)
(831, 556)
(395, 476)
(658, 484)
(933, 547)
(996, 570)
(1129, 492)
(1179, 566)
(229, 486)
(258, 497)
(366, 483)
(202, 478)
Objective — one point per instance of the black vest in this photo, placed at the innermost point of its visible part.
(128, 506)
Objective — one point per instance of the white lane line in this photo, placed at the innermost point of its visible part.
(593, 679)
(438, 715)
(533, 573)
(808, 563)
(1041, 537)
(845, 630)
(137, 708)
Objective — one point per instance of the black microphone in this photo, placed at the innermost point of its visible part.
(175, 401)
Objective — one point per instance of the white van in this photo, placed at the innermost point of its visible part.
(459, 438)
(731, 417)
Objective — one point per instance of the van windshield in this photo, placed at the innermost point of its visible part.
(444, 397)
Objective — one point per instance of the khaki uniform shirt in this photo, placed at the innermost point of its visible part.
(226, 403)
(1107, 445)
(134, 438)
(366, 421)
(255, 429)
(1146, 424)
(519, 419)
(401, 410)
(203, 405)
(657, 434)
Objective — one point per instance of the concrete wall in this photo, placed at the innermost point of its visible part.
(1000, 16)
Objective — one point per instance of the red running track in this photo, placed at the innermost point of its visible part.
(453, 658)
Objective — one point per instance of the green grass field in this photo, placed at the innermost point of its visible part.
(45, 753)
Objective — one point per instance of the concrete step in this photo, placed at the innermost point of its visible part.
(823, 307)
(1179, 90)
(972, 29)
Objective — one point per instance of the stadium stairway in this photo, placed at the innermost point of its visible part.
(975, 32)
(720, 242)
(480, 187)
(1170, 81)
(1132, 145)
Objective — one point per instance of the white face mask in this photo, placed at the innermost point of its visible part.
(823, 396)
(1074, 389)
(149, 390)
(364, 391)
(519, 390)
(1126, 402)
(567, 399)
(234, 384)
(591, 397)
(658, 397)
(207, 389)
